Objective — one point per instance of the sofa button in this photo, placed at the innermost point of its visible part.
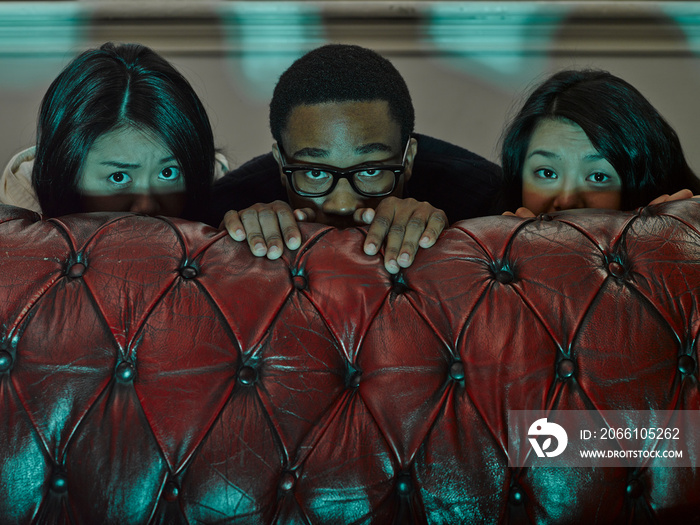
(300, 282)
(504, 276)
(247, 375)
(545, 217)
(565, 368)
(686, 364)
(355, 379)
(287, 481)
(125, 372)
(76, 270)
(516, 496)
(5, 361)
(404, 485)
(457, 371)
(634, 488)
(189, 272)
(59, 483)
(171, 491)
(616, 269)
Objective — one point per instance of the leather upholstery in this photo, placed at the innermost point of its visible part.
(153, 371)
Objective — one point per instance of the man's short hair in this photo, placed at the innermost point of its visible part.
(341, 73)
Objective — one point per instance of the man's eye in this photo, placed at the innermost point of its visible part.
(169, 173)
(119, 178)
(316, 174)
(544, 173)
(599, 177)
(369, 173)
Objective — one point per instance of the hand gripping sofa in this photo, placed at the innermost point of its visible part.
(153, 371)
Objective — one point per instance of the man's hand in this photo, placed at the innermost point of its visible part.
(265, 226)
(405, 224)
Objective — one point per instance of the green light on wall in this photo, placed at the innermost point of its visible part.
(266, 37)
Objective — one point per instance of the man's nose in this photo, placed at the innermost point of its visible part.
(145, 203)
(342, 200)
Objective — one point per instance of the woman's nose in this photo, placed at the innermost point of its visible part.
(145, 203)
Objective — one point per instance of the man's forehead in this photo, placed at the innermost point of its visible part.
(364, 125)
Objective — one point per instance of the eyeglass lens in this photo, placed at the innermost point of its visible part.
(372, 181)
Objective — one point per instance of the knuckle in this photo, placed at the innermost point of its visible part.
(410, 246)
(289, 231)
(416, 223)
(397, 229)
(382, 221)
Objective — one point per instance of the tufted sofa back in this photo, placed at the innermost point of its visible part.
(153, 371)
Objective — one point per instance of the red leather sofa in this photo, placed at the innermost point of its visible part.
(153, 371)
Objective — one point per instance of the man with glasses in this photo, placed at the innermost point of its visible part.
(346, 155)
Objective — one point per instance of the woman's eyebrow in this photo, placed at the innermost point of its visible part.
(544, 153)
(120, 165)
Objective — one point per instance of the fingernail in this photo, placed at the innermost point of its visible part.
(273, 252)
(294, 243)
(370, 249)
(239, 235)
(392, 266)
(404, 258)
(424, 241)
(259, 249)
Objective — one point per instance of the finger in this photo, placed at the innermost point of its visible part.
(289, 228)
(304, 215)
(234, 226)
(378, 230)
(660, 199)
(364, 215)
(253, 229)
(436, 223)
(524, 213)
(509, 214)
(680, 195)
(271, 232)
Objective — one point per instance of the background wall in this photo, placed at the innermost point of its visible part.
(467, 63)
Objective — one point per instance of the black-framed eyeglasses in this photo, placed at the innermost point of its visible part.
(318, 180)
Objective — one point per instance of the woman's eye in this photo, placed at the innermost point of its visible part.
(544, 173)
(598, 177)
(169, 173)
(119, 178)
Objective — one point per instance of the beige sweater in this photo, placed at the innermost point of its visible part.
(16, 181)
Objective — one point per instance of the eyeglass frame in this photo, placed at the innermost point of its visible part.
(337, 174)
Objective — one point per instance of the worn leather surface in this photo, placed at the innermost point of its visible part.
(154, 371)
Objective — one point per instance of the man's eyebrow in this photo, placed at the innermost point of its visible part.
(317, 153)
(372, 148)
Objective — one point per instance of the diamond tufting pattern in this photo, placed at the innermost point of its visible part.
(153, 371)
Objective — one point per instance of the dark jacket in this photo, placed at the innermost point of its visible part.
(459, 182)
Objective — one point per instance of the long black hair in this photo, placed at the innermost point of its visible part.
(107, 88)
(620, 123)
